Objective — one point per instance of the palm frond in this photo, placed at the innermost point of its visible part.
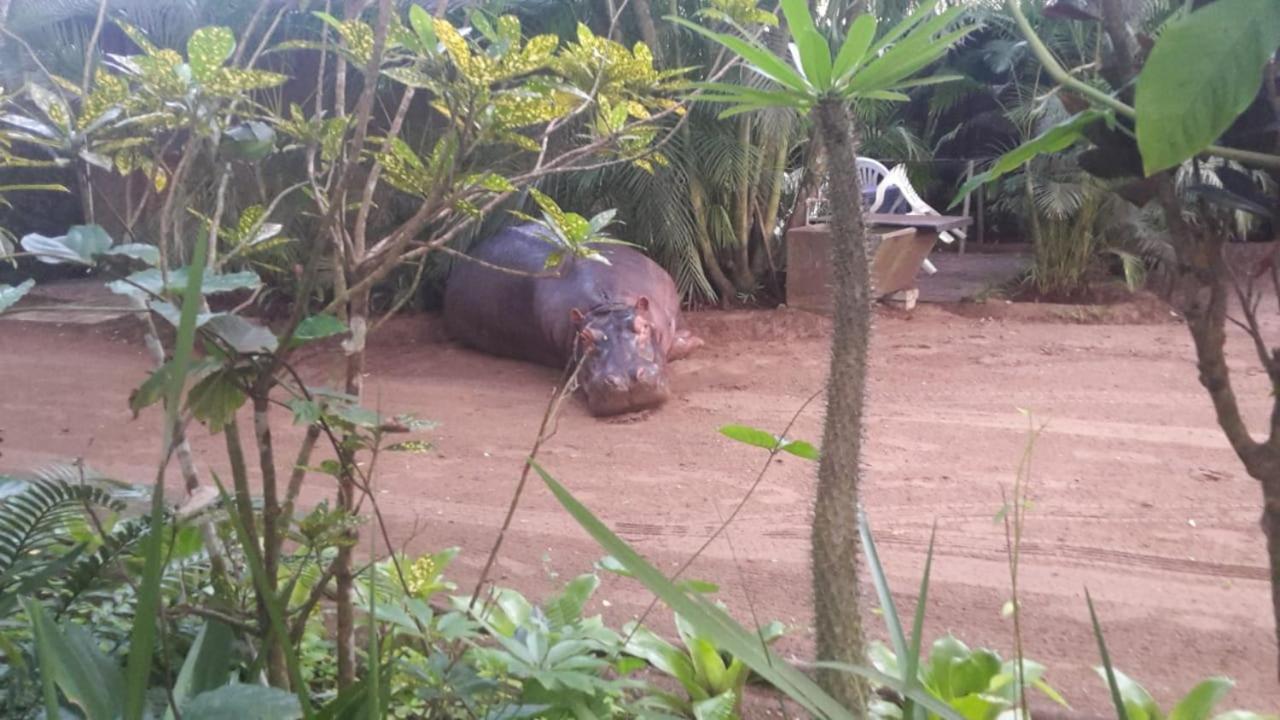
(33, 523)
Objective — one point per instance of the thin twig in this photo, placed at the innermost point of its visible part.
(764, 469)
(553, 408)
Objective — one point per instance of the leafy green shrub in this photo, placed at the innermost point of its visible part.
(976, 683)
(713, 680)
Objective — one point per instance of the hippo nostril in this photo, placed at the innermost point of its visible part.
(647, 376)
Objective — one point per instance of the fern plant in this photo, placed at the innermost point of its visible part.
(35, 545)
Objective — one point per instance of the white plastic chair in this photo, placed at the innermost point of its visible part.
(870, 174)
(897, 178)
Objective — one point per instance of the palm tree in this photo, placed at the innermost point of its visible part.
(823, 85)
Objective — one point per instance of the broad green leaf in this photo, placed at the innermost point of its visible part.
(887, 95)
(566, 607)
(720, 707)
(305, 412)
(1137, 701)
(423, 25)
(243, 702)
(88, 678)
(855, 47)
(922, 11)
(173, 315)
(317, 327)
(242, 335)
(815, 56)
(80, 245)
(800, 448)
(215, 399)
(1055, 139)
(30, 125)
(208, 49)
(750, 436)
(10, 294)
(759, 58)
(915, 53)
(1205, 69)
(708, 666)
(148, 254)
(153, 388)
(943, 669)
(721, 92)
(1199, 703)
(662, 655)
(207, 666)
(1050, 693)
(152, 282)
(251, 141)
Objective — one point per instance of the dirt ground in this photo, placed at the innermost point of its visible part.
(1136, 494)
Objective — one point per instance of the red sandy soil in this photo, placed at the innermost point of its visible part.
(1136, 495)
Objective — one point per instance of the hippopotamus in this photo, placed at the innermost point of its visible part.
(621, 318)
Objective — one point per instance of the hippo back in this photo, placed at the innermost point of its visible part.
(528, 318)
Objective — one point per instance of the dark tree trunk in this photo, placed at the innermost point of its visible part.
(710, 262)
(1203, 297)
(835, 523)
(644, 21)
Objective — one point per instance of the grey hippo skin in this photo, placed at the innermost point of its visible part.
(624, 316)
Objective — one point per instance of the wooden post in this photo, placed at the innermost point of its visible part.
(980, 221)
(968, 175)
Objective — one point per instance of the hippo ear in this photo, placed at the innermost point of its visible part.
(576, 316)
(642, 304)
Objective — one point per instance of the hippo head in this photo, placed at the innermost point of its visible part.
(623, 366)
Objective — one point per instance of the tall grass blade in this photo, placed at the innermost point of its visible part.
(911, 668)
(142, 640)
(722, 629)
(70, 659)
(207, 667)
(1121, 712)
(275, 613)
(375, 655)
(881, 582)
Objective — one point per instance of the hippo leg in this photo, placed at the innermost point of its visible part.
(684, 344)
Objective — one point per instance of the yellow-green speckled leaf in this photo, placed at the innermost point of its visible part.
(533, 56)
(108, 90)
(404, 170)
(514, 111)
(549, 207)
(248, 219)
(359, 39)
(476, 69)
(208, 49)
(231, 81)
(521, 141)
(575, 227)
(138, 37)
(509, 29)
(160, 72)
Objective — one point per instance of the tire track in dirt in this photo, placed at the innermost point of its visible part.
(1078, 554)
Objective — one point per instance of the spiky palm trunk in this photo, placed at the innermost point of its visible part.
(835, 523)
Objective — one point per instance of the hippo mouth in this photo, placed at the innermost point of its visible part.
(603, 402)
